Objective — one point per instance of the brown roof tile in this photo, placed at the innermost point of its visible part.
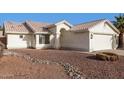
(28, 26)
(86, 26)
(15, 27)
(37, 26)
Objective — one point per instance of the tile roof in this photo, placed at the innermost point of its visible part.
(28, 26)
(37, 26)
(87, 25)
(15, 27)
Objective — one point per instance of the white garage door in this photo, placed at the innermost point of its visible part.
(101, 42)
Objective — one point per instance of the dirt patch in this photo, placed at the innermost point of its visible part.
(18, 68)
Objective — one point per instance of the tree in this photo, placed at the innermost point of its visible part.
(119, 23)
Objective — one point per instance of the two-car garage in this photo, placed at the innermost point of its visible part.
(91, 36)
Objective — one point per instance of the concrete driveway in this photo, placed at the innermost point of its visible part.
(117, 51)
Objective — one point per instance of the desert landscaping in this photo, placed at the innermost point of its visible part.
(57, 64)
(17, 68)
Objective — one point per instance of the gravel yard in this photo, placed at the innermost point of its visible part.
(86, 63)
(17, 68)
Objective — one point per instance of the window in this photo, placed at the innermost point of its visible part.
(44, 39)
(21, 36)
(41, 38)
(47, 41)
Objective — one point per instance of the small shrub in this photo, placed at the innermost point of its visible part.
(107, 56)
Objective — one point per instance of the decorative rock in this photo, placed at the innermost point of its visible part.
(107, 56)
(74, 73)
(71, 74)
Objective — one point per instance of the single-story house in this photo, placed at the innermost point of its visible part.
(89, 36)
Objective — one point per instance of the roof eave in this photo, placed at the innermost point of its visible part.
(42, 32)
(64, 21)
(114, 28)
(9, 32)
(86, 30)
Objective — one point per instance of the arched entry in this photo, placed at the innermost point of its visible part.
(60, 38)
(60, 27)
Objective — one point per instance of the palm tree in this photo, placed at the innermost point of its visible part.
(119, 23)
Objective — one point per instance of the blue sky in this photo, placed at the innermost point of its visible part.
(73, 18)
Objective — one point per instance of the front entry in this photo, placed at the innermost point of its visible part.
(31, 41)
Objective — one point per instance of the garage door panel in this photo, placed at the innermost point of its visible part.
(101, 42)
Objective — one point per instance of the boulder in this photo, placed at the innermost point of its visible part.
(107, 56)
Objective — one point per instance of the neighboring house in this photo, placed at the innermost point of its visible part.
(90, 36)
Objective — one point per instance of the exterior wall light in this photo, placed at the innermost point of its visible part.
(91, 36)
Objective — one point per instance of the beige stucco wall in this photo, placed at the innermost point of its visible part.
(59, 28)
(72, 40)
(102, 28)
(31, 41)
(52, 37)
(14, 41)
